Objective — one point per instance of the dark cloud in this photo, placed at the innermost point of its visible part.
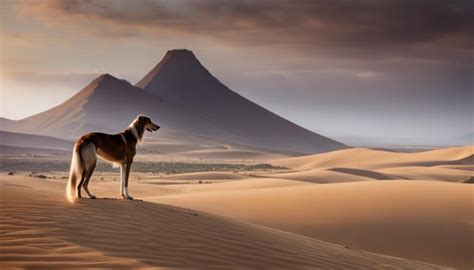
(427, 29)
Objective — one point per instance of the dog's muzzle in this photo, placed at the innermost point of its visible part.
(155, 128)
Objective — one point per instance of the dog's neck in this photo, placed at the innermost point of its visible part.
(136, 130)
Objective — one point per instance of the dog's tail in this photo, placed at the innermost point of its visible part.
(76, 171)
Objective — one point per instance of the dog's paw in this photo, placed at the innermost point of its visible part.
(93, 197)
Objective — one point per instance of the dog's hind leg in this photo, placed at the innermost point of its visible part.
(88, 174)
(89, 160)
(79, 187)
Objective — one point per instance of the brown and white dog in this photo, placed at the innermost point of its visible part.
(117, 148)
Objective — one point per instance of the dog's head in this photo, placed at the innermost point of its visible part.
(146, 123)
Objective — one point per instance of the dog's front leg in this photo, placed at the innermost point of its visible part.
(124, 173)
(127, 173)
(122, 180)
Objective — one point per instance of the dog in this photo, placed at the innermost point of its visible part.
(118, 148)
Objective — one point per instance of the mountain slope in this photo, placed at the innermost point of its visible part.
(180, 79)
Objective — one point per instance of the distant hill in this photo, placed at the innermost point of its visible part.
(179, 94)
(33, 141)
(6, 123)
(7, 150)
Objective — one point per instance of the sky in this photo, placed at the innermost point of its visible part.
(398, 71)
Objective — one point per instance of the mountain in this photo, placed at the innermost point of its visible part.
(180, 79)
(180, 95)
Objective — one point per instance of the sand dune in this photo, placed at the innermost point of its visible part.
(40, 229)
(247, 184)
(365, 173)
(320, 176)
(455, 173)
(450, 164)
(426, 221)
(374, 159)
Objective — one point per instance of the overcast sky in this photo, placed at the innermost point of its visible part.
(382, 69)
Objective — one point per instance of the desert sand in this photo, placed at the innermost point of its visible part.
(40, 229)
(420, 220)
(357, 208)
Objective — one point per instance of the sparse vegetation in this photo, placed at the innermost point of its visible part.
(47, 165)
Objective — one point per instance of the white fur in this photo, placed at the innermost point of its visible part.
(87, 154)
(74, 173)
(123, 188)
(134, 130)
(122, 179)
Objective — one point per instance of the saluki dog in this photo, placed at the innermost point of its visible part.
(117, 148)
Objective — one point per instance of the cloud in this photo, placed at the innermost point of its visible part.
(366, 75)
(424, 29)
(48, 79)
